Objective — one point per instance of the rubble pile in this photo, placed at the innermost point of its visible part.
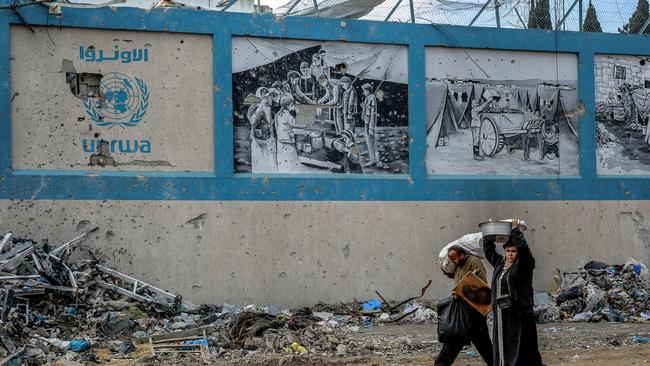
(60, 302)
(600, 292)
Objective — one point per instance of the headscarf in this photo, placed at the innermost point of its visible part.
(515, 240)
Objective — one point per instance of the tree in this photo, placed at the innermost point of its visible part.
(637, 19)
(540, 16)
(591, 23)
(531, 14)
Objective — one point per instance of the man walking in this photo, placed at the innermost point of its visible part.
(478, 332)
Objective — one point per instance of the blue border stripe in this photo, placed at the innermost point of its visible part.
(417, 115)
(259, 188)
(222, 184)
(5, 95)
(587, 124)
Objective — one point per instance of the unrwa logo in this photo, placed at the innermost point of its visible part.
(124, 104)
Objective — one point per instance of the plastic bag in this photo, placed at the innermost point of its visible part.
(453, 320)
(471, 243)
(639, 268)
(78, 345)
(371, 305)
(593, 298)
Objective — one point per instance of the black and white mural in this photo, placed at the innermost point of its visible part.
(622, 110)
(319, 107)
(501, 112)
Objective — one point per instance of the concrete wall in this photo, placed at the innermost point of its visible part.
(197, 228)
(297, 253)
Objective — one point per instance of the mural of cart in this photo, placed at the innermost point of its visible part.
(497, 126)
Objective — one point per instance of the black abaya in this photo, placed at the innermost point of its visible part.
(514, 331)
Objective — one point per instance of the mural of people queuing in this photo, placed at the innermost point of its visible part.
(319, 107)
(496, 117)
(622, 111)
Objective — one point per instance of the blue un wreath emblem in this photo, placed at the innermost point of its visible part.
(125, 102)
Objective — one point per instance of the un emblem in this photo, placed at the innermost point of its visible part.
(125, 101)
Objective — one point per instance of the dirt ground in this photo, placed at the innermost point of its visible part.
(593, 344)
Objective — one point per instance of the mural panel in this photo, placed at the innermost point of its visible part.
(622, 109)
(88, 99)
(501, 112)
(319, 107)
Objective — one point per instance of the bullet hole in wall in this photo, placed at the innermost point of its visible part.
(103, 156)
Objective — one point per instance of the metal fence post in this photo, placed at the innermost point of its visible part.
(291, 7)
(566, 15)
(479, 13)
(580, 15)
(316, 7)
(228, 5)
(645, 26)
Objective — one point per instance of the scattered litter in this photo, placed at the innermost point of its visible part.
(61, 305)
(638, 339)
(582, 317)
(78, 345)
(297, 348)
(575, 358)
(597, 292)
(127, 347)
(372, 305)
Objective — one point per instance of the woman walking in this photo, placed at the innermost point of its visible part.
(514, 331)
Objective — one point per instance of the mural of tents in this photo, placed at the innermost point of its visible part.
(377, 62)
(533, 100)
(446, 114)
(522, 97)
(478, 93)
(460, 97)
(559, 99)
(442, 120)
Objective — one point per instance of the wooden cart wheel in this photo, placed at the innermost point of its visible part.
(490, 140)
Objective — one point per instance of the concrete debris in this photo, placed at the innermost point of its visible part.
(599, 292)
(70, 309)
(61, 303)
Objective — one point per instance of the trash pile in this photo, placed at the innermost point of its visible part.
(63, 302)
(599, 292)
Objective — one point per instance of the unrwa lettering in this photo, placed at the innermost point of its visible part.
(121, 146)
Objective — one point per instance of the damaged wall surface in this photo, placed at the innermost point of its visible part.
(188, 210)
(146, 95)
(298, 253)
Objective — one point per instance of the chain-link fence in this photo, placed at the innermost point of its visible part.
(611, 16)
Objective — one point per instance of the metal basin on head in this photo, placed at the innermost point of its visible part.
(496, 230)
